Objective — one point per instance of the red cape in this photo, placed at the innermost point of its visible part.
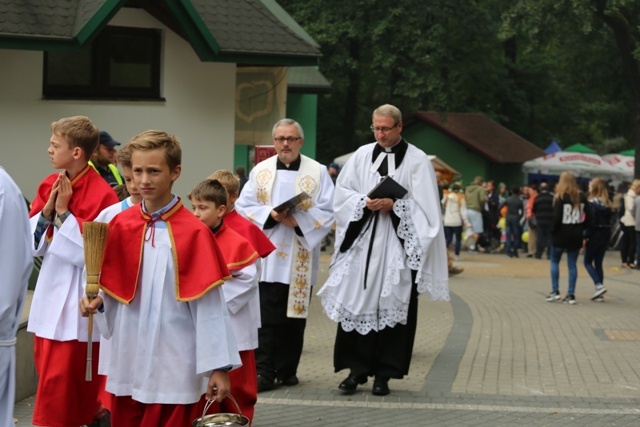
(199, 263)
(251, 232)
(91, 194)
(237, 250)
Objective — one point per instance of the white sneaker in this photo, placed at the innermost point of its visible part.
(553, 296)
(600, 290)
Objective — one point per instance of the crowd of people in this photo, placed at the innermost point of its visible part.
(196, 305)
(548, 220)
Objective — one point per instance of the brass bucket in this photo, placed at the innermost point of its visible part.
(223, 419)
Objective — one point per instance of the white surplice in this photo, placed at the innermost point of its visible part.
(54, 311)
(106, 216)
(385, 301)
(16, 263)
(153, 358)
(241, 295)
(314, 223)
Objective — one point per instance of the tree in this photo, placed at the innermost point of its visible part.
(605, 34)
(544, 69)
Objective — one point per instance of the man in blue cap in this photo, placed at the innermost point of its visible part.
(104, 158)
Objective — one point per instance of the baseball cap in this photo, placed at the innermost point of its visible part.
(106, 140)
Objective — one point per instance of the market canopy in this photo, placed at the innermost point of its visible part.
(624, 164)
(553, 147)
(579, 148)
(584, 165)
(631, 152)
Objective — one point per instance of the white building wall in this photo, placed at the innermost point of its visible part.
(199, 109)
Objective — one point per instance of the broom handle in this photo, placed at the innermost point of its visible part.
(87, 375)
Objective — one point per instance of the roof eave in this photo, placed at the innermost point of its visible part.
(425, 119)
(309, 89)
(271, 59)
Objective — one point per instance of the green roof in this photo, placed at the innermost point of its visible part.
(306, 80)
(241, 31)
(579, 148)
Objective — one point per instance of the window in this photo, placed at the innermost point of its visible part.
(121, 63)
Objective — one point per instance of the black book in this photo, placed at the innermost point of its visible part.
(388, 188)
(292, 203)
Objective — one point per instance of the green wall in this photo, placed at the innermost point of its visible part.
(303, 108)
(466, 161)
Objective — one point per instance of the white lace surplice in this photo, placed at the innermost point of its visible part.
(385, 301)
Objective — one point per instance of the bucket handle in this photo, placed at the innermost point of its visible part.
(210, 402)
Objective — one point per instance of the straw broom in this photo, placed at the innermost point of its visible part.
(95, 239)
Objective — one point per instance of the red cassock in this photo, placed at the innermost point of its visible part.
(199, 264)
(251, 232)
(239, 254)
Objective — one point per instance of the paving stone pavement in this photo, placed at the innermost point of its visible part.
(497, 354)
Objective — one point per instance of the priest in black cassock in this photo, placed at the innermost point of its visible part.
(388, 251)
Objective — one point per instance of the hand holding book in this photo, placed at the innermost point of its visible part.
(293, 203)
(388, 188)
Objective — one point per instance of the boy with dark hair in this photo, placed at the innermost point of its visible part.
(209, 201)
(64, 201)
(160, 304)
(240, 224)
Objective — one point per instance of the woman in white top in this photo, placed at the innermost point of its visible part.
(455, 216)
(628, 222)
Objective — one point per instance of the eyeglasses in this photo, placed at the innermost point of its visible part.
(289, 139)
(383, 130)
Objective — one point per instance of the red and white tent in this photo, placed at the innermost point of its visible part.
(624, 164)
(585, 165)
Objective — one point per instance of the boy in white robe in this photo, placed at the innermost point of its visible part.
(171, 338)
(15, 264)
(64, 202)
(209, 202)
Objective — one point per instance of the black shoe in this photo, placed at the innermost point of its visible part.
(380, 386)
(265, 384)
(289, 381)
(101, 419)
(350, 384)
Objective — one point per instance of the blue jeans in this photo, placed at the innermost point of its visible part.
(514, 235)
(572, 258)
(593, 257)
(449, 232)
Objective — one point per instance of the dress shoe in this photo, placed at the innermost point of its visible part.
(380, 386)
(289, 381)
(264, 384)
(350, 384)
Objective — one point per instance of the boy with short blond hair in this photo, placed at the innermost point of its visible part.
(209, 201)
(64, 201)
(160, 304)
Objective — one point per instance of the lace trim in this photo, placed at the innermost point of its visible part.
(358, 210)
(356, 215)
(407, 231)
(437, 290)
(365, 323)
(393, 273)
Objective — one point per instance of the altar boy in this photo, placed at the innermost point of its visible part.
(161, 305)
(209, 201)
